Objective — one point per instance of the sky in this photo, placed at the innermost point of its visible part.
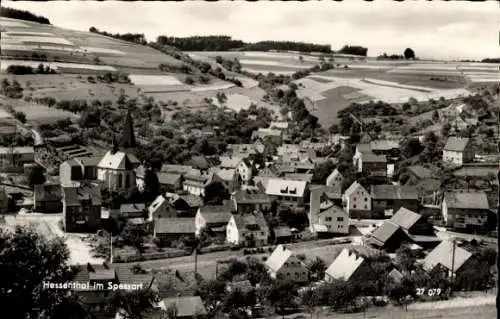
(437, 29)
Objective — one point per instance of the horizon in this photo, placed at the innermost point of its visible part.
(434, 30)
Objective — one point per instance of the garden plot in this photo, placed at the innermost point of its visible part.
(213, 87)
(12, 24)
(397, 85)
(45, 40)
(248, 83)
(273, 63)
(267, 70)
(426, 71)
(154, 80)
(102, 50)
(4, 64)
(41, 114)
(29, 33)
(235, 102)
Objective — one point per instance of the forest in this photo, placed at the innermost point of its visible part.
(22, 15)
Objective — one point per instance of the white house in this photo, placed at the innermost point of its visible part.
(458, 151)
(245, 170)
(347, 266)
(196, 184)
(212, 217)
(116, 170)
(286, 191)
(324, 216)
(283, 264)
(248, 230)
(356, 200)
(335, 178)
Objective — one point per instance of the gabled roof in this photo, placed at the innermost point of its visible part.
(456, 144)
(393, 192)
(333, 209)
(278, 258)
(282, 231)
(132, 208)
(157, 204)
(373, 158)
(226, 175)
(443, 255)
(168, 178)
(335, 174)
(476, 200)
(73, 195)
(279, 125)
(283, 187)
(420, 171)
(405, 218)
(179, 169)
(299, 177)
(363, 148)
(199, 162)
(89, 160)
(353, 188)
(230, 162)
(175, 226)
(250, 197)
(254, 221)
(384, 145)
(48, 192)
(215, 214)
(385, 231)
(190, 199)
(185, 306)
(89, 272)
(118, 161)
(345, 265)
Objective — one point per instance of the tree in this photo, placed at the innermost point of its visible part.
(411, 147)
(445, 130)
(435, 116)
(135, 303)
(322, 170)
(283, 295)
(405, 258)
(151, 185)
(212, 292)
(317, 268)
(409, 54)
(309, 299)
(36, 176)
(27, 259)
(215, 193)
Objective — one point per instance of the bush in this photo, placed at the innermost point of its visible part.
(189, 80)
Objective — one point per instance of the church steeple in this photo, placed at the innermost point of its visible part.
(127, 141)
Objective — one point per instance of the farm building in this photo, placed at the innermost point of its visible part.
(467, 211)
(348, 266)
(169, 230)
(247, 201)
(214, 218)
(458, 151)
(387, 199)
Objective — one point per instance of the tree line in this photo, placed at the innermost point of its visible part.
(25, 69)
(354, 50)
(201, 43)
(138, 38)
(22, 15)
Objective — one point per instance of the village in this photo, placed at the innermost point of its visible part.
(254, 204)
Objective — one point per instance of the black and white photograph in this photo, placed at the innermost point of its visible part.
(237, 159)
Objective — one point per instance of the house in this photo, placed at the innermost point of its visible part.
(291, 166)
(79, 169)
(161, 208)
(324, 216)
(467, 211)
(117, 170)
(458, 151)
(214, 218)
(287, 192)
(136, 210)
(47, 198)
(169, 230)
(170, 182)
(179, 169)
(184, 307)
(229, 162)
(282, 126)
(242, 150)
(357, 202)
(82, 208)
(348, 266)
(387, 199)
(404, 226)
(272, 135)
(245, 170)
(140, 173)
(283, 264)
(247, 230)
(282, 235)
(360, 149)
(417, 173)
(335, 178)
(196, 184)
(246, 201)
(228, 177)
(12, 159)
(448, 257)
(374, 165)
(186, 205)
(4, 201)
(384, 147)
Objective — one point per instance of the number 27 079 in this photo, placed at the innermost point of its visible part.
(430, 292)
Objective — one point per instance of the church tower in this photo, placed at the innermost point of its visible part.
(127, 141)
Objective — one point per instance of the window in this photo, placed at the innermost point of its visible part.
(366, 207)
(366, 199)
(354, 198)
(340, 219)
(328, 219)
(354, 206)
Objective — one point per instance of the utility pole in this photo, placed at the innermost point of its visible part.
(453, 263)
(110, 248)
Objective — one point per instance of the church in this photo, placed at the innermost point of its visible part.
(116, 170)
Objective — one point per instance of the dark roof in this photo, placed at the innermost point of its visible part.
(405, 218)
(420, 171)
(132, 208)
(385, 231)
(216, 214)
(128, 137)
(248, 221)
(476, 200)
(393, 192)
(199, 162)
(186, 306)
(372, 158)
(175, 226)
(190, 199)
(299, 177)
(89, 160)
(89, 272)
(456, 144)
(48, 192)
(251, 197)
(168, 178)
(73, 195)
